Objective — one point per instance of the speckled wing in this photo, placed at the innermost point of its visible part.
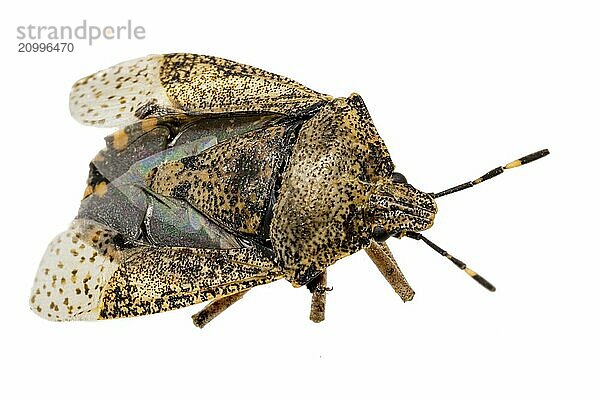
(86, 275)
(184, 83)
(157, 279)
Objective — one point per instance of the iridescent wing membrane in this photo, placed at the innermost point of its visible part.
(133, 250)
(117, 194)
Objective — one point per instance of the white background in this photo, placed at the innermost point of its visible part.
(455, 89)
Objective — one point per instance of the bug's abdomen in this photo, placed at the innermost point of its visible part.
(232, 183)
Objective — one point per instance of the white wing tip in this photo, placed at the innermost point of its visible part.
(110, 97)
(70, 279)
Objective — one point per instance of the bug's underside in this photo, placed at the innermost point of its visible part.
(225, 177)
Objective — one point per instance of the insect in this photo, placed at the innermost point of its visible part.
(224, 177)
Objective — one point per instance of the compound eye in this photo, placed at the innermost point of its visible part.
(380, 234)
(397, 177)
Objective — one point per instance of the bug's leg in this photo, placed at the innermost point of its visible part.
(384, 260)
(214, 308)
(318, 288)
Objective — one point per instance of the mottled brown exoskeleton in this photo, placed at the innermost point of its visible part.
(223, 178)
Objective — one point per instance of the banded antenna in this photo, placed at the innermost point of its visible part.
(480, 279)
(493, 173)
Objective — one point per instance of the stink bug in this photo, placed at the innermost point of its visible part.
(223, 178)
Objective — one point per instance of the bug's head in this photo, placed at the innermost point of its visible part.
(396, 207)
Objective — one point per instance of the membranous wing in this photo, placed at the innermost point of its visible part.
(224, 188)
(127, 206)
(152, 135)
(184, 84)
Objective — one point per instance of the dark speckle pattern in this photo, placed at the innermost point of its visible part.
(320, 213)
(215, 85)
(232, 183)
(156, 279)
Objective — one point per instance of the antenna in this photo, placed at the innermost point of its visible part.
(480, 279)
(493, 173)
